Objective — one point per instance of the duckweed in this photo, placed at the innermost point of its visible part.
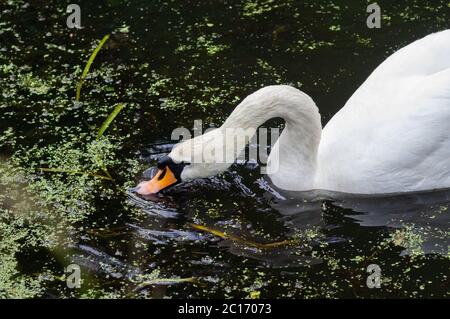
(195, 60)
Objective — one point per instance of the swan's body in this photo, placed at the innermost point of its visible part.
(393, 134)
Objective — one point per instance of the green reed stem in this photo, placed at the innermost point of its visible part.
(88, 66)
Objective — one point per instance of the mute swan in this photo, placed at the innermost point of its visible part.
(393, 134)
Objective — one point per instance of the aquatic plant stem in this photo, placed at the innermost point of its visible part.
(88, 66)
(220, 234)
(105, 126)
(109, 119)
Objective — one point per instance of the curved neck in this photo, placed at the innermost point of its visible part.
(292, 163)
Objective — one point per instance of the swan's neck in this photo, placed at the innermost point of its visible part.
(292, 163)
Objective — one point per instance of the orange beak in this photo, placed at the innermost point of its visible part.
(163, 179)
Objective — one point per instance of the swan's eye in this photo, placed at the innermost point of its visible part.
(163, 173)
(166, 163)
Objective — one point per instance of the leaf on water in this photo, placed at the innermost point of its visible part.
(88, 66)
(109, 119)
(241, 240)
(210, 230)
(59, 170)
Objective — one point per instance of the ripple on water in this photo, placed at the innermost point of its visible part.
(243, 221)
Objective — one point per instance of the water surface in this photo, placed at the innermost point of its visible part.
(231, 235)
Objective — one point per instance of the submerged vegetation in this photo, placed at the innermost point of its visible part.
(74, 139)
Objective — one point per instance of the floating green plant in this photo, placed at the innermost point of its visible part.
(100, 133)
(105, 126)
(88, 66)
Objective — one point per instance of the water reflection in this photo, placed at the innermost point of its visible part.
(245, 222)
(424, 211)
(293, 214)
(171, 63)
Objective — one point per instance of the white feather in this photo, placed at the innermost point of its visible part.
(393, 134)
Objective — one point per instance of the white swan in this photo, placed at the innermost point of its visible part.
(393, 134)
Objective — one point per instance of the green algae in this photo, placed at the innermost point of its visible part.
(193, 66)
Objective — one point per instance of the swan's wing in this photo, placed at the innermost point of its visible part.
(425, 56)
(394, 80)
(394, 132)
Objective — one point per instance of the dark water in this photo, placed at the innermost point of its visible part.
(226, 236)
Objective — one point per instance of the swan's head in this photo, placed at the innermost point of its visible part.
(188, 160)
(168, 174)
